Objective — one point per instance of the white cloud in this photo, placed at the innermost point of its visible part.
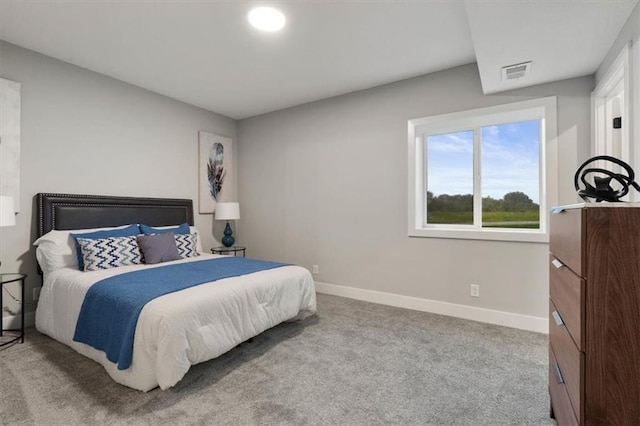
(450, 143)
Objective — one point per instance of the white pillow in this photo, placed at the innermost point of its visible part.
(56, 249)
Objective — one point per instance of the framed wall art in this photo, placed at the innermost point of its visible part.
(10, 140)
(215, 168)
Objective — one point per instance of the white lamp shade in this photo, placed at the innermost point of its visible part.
(227, 211)
(7, 211)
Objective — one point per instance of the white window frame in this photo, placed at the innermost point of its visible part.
(543, 109)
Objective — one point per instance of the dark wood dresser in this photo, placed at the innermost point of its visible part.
(594, 315)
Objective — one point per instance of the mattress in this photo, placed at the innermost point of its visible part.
(184, 328)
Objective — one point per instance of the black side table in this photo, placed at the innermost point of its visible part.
(228, 250)
(5, 339)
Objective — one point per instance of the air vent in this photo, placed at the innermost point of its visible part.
(514, 72)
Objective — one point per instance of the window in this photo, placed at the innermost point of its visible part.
(483, 173)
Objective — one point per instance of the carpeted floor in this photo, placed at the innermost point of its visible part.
(355, 363)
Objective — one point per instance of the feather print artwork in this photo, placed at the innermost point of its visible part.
(215, 170)
(216, 177)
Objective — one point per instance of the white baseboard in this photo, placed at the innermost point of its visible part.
(13, 321)
(508, 319)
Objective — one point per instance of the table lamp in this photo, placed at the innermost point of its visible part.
(228, 211)
(7, 212)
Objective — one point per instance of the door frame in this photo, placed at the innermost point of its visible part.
(617, 74)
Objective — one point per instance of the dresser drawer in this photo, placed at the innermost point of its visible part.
(570, 361)
(560, 403)
(567, 291)
(565, 240)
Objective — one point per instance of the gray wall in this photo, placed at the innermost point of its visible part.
(86, 133)
(323, 183)
(326, 183)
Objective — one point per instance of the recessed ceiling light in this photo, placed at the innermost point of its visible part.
(266, 18)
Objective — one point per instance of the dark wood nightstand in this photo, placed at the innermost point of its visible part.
(228, 250)
(5, 339)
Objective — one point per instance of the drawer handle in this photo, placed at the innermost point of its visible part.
(557, 263)
(557, 373)
(557, 318)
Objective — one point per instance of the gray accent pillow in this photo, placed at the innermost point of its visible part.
(158, 248)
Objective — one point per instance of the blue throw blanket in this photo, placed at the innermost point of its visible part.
(111, 307)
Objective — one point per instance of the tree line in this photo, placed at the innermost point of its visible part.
(511, 202)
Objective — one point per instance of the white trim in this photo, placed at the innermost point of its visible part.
(507, 319)
(619, 72)
(517, 235)
(13, 321)
(477, 178)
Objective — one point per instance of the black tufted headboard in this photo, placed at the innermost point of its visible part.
(71, 211)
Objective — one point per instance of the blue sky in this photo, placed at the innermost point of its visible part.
(510, 161)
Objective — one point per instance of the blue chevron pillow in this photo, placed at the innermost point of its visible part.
(106, 253)
(187, 245)
(103, 233)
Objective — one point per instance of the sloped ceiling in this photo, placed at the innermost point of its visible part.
(206, 54)
(562, 39)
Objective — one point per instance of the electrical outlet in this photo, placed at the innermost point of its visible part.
(475, 290)
(316, 269)
(36, 293)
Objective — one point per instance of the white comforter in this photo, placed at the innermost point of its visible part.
(183, 328)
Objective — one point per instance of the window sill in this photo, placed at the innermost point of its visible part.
(524, 235)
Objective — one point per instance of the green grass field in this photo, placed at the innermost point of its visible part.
(489, 219)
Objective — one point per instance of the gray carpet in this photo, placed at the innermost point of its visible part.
(355, 363)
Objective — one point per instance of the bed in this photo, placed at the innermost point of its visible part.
(175, 330)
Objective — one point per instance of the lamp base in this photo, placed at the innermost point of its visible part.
(228, 239)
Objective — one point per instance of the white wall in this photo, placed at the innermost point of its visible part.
(326, 184)
(630, 33)
(86, 133)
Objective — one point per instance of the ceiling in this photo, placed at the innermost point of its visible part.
(206, 54)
